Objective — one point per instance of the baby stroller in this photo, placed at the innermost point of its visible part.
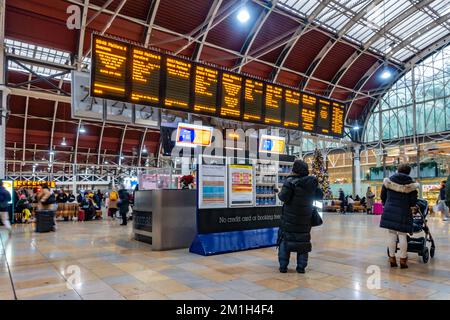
(419, 245)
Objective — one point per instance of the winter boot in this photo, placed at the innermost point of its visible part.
(393, 262)
(403, 264)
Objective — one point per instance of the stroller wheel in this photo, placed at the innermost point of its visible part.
(432, 252)
(425, 255)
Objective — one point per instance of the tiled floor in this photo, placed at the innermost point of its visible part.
(111, 265)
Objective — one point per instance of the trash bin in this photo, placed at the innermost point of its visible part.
(45, 220)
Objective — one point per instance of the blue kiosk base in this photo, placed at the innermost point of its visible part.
(224, 242)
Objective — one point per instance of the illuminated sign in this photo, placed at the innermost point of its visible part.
(253, 100)
(205, 89)
(230, 105)
(189, 135)
(177, 83)
(146, 74)
(273, 104)
(33, 184)
(272, 144)
(129, 73)
(324, 117)
(292, 109)
(308, 113)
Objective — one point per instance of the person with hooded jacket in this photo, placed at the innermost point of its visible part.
(398, 195)
(447, 192)
(123, 204)
(298, 194)
(5, 198)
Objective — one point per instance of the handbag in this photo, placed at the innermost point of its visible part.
(316, 219)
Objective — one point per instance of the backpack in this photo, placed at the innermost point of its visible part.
(50, 200)
(113, 196)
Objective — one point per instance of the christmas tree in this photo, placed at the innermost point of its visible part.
(320, 171)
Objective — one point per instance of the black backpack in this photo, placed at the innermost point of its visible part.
(50, 200)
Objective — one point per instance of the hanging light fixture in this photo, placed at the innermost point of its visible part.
(63, 142)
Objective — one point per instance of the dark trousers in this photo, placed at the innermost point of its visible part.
(284, 255)
(124, 217)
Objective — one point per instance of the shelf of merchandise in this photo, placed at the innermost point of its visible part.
(266, 177)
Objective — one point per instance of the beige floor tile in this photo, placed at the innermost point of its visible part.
(38, 291)
(277, 284)
(40, 282)
(147, 276)
(148, 296)
(168, 286)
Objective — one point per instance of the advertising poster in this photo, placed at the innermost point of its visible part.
(241, 185)
(212, 191)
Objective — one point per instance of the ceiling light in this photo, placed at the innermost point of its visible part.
(122, 157)
(386, 74)
(63, 142)
(243, 15)
(82, 130)
(356, 128)
(52, 153)
(106, 162)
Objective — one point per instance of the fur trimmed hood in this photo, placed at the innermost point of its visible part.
(402, 188)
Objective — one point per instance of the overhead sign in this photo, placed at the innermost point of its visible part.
(32, 184)
(189, 135)
(272, 144)
(129, 73)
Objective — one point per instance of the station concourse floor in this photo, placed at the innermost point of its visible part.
(114, 266)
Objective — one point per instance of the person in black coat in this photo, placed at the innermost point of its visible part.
(124, 204)
(398, 195)
(343, 201)
(62, 197)
(442, 201)
(298, 194)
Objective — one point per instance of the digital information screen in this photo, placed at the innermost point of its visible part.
(291, 108)
(189, 135)
(230, 105)
(146, 74)
(324, 117)
(274, 100)
(253, 100)
(272, 144)
(337, 119)
(130, 73)
(205, 89)
(308, 113)
(177, 83)
(110, 68)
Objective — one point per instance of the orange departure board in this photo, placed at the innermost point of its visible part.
(337, 119)
(291, 108)
(273, 104)
(205, 89)
(110, 68)
(323, 117)
(178, 75)
(308, 113)
(130, 73)
(230, 106)
(253, 100)
(146, 74)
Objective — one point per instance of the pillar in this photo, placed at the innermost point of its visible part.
(356, 171)
(4, 91)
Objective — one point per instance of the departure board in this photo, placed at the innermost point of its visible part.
(253, 100)
(230, 106)
(146, 74)
(110, 68)
(291, 108)
(273, 104)
(337, 119)
(178, 75)
(323, 117)
(308, 113)
(205, 89)
(131, 73)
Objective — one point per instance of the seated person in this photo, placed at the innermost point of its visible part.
(350, 203)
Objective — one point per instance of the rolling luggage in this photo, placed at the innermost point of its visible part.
(45, 220)
(80, 215)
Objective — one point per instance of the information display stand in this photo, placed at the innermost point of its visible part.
(239, 225)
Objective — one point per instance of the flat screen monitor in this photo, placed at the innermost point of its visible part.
(272, 144)
(190, 135)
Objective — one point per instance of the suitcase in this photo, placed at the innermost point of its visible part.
(81, 215)
(378, 208)
(98, 214)
(45, 221)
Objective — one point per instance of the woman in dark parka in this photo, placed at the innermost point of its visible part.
(399, 195)
(298, 194)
